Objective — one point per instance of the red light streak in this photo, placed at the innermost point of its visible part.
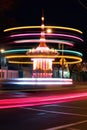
(41, 100)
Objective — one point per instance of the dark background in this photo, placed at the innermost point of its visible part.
(68, 13)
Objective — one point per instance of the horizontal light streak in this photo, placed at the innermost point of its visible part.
(72, 62)
(35, 101)
(78, 59)
(40, 79)
(71, 52)
(41, 99)
(54, 27)
(16, 50)
(25, 50)
(39, 83)
(47, 34)
(32, 56)
(20, 62)
(47, 41)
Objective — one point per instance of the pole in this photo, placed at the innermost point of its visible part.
(62, 61)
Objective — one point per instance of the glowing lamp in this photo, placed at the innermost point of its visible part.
(49, 30)
(2, 50)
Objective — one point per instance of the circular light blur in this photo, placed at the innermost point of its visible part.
(49, 30)
(2, 50)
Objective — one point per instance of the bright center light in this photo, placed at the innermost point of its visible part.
(42, 18)
(2, 50)
(49, 30)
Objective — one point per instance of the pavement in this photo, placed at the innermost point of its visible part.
(40, 107)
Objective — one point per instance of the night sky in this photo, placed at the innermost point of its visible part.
(69, 13)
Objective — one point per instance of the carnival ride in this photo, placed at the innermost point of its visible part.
(42, 57)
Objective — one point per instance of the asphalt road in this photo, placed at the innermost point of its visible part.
(65, 116)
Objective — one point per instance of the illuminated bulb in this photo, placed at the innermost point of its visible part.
(42, 18)
(42, 26)
(2, 50)
(49, 30)
(42, 33)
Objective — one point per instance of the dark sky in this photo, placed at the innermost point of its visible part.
(57, 12)
(69, 13)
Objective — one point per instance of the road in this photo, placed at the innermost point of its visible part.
(70, 115)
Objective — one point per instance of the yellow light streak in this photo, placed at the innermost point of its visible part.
(47, 27)
(20, 62)
(77, 59)
(31, 56)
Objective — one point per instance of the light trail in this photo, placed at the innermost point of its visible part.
(38, 81)
(47, 34)
(76, 58)
(54, 27)
(40, 100)
(47, 41)
(25, 50)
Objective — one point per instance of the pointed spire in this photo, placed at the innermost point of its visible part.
(42, 38)
(42, 18)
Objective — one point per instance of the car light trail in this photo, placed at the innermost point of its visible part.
(34, 101)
